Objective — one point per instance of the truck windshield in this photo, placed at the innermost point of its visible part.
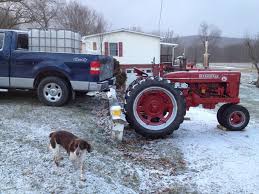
(1, 40)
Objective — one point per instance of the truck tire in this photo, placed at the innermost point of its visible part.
(235, 117)
(154, 108)
(53, 91)
(220, 114)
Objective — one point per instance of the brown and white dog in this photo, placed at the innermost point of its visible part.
(75, 147)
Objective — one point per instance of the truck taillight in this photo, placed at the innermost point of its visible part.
(95, 67)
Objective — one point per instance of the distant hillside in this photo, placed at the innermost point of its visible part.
(188, 41)
(226, 41)
(226, 50)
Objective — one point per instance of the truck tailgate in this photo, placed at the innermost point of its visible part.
(107, 68)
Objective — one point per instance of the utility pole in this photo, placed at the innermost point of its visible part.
(160, 17)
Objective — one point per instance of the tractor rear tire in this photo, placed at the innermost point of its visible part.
(154, 108)
(236, 117)
(131, 86)
(220, 113)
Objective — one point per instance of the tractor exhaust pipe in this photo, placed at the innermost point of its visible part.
(206, 56)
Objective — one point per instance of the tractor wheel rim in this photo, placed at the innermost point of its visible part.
(237, 119)
(155, 108)
(52, 92)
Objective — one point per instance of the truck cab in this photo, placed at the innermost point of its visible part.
(54, 75)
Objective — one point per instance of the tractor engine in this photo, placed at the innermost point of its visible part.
(207, 90)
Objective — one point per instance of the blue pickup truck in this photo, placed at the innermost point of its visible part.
(55, 76)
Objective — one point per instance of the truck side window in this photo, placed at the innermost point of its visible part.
(22, 42)
(1, 40)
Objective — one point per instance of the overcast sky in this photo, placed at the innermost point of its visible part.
(234, 17)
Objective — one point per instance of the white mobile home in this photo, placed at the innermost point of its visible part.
(130, 48)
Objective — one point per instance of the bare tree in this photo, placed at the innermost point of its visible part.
(209, 33)
(167, 51)
(80, 18)
(253, 53)
(5, 1)
(195, 52)
(41, 12)
(13, 14)
(168, 36)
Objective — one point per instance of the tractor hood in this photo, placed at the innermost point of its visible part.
(203, 76)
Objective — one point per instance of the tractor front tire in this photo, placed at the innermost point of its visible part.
(235, 117)
(220, 113)
(154, 108)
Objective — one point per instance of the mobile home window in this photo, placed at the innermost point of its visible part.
(94, 46)
(22, 42)
(1, 40)
(113, 49)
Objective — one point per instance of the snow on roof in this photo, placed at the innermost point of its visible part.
(121, 30)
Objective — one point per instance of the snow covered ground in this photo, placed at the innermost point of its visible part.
(198, 158)
(219, 161)
(26, 164)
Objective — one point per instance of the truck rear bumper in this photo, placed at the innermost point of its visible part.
(92, 86)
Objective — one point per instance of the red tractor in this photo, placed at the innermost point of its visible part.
(156, 106)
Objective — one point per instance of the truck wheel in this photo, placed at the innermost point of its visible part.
(236, 117)
(155, 108)
(53, 91)
(221, 112)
